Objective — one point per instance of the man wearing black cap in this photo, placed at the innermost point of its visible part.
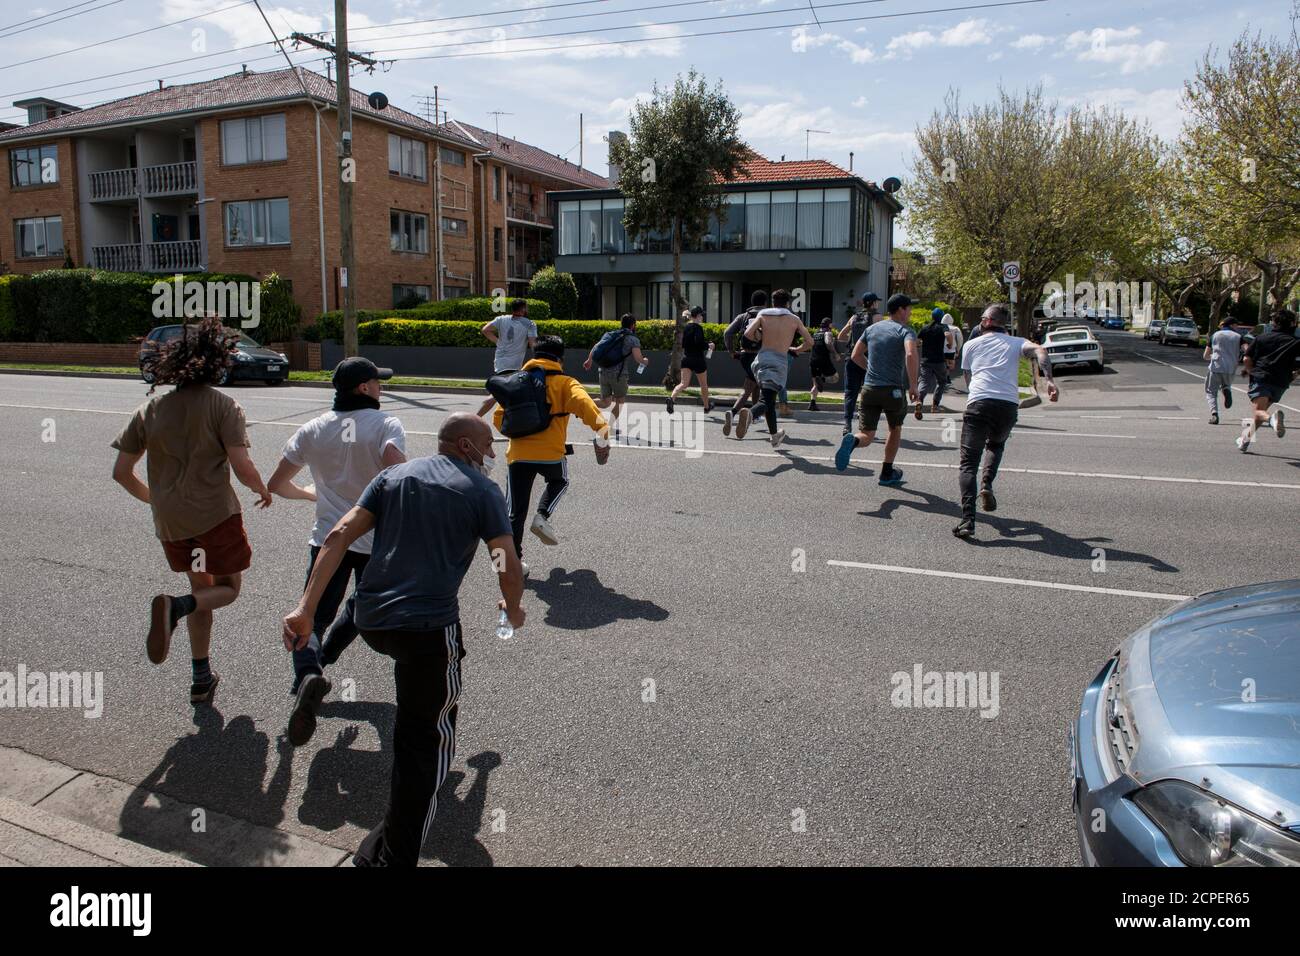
(853, 373)
(344, 448)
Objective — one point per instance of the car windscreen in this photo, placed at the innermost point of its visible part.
(1181, 324)
(1057, 338)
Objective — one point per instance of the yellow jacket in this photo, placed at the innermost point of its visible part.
(567, 397)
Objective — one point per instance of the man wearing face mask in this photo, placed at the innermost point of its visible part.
(344, 448)
(427, 516)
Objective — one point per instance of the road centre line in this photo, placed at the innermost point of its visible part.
(1055, 585)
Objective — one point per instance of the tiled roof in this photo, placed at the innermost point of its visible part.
(225, 92)
(760, 169)
(519, 153)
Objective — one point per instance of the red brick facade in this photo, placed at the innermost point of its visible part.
(53, 199)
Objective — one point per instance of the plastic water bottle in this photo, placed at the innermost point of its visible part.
(710, 355)
(640, 369)
(505, 630)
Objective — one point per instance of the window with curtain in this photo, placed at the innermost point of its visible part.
(406, 157)
(836, 206)
(614, 237)
(569, 245)
(408, 231)
(257, 222)
(757, 220)
(783, 220)
(38, 237)
(589, 226)
(255, 139)
(810, 219)
(733, 222)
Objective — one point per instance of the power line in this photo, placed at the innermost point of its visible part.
(50, 14)
(471, 16)
(32, 25)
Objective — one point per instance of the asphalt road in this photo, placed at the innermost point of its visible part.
(771, 737)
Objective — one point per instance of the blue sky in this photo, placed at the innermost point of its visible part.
(866, 83)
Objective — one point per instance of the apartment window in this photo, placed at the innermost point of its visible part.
(408, 231)
(457, 227)
(452, 157)
(837, 205)
(758, 220)
(257, 222)
(455, 291)
(733, 221)
(496, 244)
(496, 183)
(33, 165)
(809, 233)
(783, 218)
(454, 195)
(34, 238)
(613, 234)
(589, 226)
(255, 139)
(407, 157)
(405, 295)
(569, 228)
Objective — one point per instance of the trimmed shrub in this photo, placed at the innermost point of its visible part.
(8, 315)
(556, 289)
(405, 330)
(477, 309)
(280, 314)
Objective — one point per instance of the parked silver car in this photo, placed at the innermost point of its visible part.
(1180, 329)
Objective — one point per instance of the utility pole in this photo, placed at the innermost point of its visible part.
(580, 138)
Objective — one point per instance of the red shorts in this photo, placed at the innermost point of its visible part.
(225, 549)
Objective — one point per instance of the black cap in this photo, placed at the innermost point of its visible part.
(355, 371)
(698, 310)
(869, 298)
(899, 301)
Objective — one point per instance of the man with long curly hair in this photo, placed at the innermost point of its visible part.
(194, 436)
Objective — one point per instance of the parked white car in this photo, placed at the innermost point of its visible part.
(1075, 345)
(1180, 329)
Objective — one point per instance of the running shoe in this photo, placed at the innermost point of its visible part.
(670, 404)
(1227, 398)
(302, 719)
(542, 528)
(1243, 440)
(1214, 419)
(812, 405)
(918, 412)
(160, 629)
(524, 565)
(895, 478)
(1279, 423)
(845, 451)
(203, 693)
(778, 437)
(726, 423)
(987, 501)
(742, 426)
(965, 528)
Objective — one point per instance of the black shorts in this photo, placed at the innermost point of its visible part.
(873, 402)
(747, 360)
(823, 368)
(696, 363)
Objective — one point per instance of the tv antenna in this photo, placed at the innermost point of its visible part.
(807, 139)
(496, 120)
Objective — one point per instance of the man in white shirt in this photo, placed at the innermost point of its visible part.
(992, 406)
(513, 335)
(344, 448)
(1224, 355)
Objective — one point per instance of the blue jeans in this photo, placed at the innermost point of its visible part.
(339, 629)
(854, 375)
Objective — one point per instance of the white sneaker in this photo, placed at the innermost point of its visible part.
(778, 438)
(1279, 423)
(542, 528)
(524, 565)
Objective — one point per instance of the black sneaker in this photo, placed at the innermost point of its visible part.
(1227, 398)
(161, 625)
(302, 719)
(812, 405)
(1214, 419)
(726, 423)
(670, 404)
(987, 501)
(203, 693)
(965, 528)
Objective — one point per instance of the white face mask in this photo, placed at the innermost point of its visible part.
(484, 464)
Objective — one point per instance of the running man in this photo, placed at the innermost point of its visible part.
(611, 354)
(1271, 361)
(695, 359)
(344, 448)
(952, 353)
(543, 453)
(1223, 352)
(853, 373)
(823, 361)
(776, 328)
(744, 350)
(513, 335)
(427, 516)
(935, 342)
(993, 360)
(195, 436)
(888, 354)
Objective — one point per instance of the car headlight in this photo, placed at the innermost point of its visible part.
(242, 356)
(283, 357)
(1206, 831)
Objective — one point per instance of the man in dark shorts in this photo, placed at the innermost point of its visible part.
(823, 361)
(743, 350)
(695, 359)
(887, 351)
(853, 373)
(935, 338)
(428, 515)
(194, 436)
(1271, 361)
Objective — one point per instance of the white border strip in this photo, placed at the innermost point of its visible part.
(1055, 585)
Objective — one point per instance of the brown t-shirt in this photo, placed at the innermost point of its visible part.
(186, 433)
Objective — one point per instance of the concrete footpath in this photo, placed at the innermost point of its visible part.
(55, 815)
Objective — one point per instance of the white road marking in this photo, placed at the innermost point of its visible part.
(1114, 417)
(109, 411)
(1187, 371)
(1177, 418)
(1055, 585)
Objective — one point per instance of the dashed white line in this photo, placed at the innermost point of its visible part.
(1187, 371)
(1020, 582)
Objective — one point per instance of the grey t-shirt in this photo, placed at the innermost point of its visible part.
(1225, 351)
(430, 515)
(513, 333)
(886, 354)
(630, 342)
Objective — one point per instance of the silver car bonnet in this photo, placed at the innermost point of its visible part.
(1188, 679)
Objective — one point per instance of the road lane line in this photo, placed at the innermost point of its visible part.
(1187, 371)
(1054, 585)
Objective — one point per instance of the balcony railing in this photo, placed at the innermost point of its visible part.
(527, 214)
(184, 256)
(167, 179)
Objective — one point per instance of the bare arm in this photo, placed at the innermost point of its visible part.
(124, 474)
(490, 333)
(298, 623)
(859, 356)
(282, 483)
(392, 456)
(805, 339)
(754, 330)
(636, 354)
(1040, 355)
(242, 465)
(510, 577)
(913, 360)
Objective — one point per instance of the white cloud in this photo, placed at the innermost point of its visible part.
(905, 44)
(1031, 41)
(1100, 36)
(995, 56)
(801, 41)
(1105, 45)
(1162, 108)
(967, 33)
(860, 102)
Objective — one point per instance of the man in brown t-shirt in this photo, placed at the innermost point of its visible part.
(194, 435)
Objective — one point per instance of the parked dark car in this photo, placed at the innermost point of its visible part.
(1186, 750)
(1114, 322)
(252, 362)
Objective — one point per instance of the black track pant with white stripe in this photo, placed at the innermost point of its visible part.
(519, 491)
(426, 670)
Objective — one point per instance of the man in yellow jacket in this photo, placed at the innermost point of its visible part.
(543, 453)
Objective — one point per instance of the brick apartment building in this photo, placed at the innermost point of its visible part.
(237, 174)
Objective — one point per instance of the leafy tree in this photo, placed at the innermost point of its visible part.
(683, 144)
(557, 289)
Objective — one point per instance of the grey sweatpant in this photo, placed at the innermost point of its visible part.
(1214, 383)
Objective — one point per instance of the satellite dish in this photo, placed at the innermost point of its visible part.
(377, 101)
(893, 184)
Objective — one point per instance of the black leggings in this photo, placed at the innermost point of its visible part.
(519, 490)
(769, 408)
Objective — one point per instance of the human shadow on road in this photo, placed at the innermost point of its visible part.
(803, 466)
(427, 406)
(576, 600)
(351, 785)
(1018, 532)
(219, 769)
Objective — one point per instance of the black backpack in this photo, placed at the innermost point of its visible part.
(522, 396)
(609, 350)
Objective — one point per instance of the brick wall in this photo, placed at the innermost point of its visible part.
(55, 199)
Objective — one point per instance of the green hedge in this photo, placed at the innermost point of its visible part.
(475, 309)
(405, 330)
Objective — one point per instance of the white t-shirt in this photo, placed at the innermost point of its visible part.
(513, 333)
(344, 451)
(993, 360)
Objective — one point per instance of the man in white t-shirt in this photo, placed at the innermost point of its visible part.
(1224, 355)
(344, 448)
(992, 406)
(513, 335)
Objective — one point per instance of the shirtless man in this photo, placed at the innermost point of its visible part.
(776, 328)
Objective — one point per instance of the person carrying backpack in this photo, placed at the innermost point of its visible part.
(611, 354)
(695, 358)
(824, 355)
(534, 405)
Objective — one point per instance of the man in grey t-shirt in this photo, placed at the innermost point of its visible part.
(513, 335)
(429, 516)
(1224, 354)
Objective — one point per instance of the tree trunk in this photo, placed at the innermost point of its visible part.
(674, 374)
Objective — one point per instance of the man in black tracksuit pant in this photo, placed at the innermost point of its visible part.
(428, 515)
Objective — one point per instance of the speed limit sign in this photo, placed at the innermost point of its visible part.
(1011, 272)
